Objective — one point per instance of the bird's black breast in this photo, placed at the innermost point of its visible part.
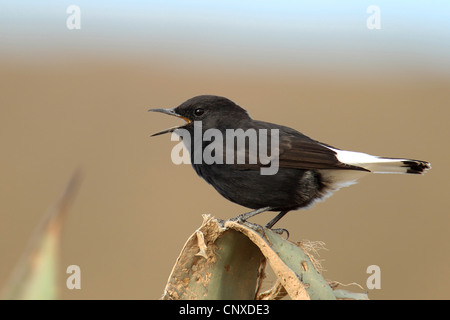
(288, 189)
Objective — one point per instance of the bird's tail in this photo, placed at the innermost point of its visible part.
(382, 164)
(393, 165)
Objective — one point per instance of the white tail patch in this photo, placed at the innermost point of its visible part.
(334, 179)
(380, 164)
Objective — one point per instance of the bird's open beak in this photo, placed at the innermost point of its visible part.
(170, 112)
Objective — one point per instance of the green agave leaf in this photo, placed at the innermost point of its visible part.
(227, 261)
(36, 275)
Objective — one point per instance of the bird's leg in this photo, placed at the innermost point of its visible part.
(272, 222)
(243, 217)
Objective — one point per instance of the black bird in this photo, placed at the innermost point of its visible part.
(308, 170)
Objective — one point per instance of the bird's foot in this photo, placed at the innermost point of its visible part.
(253, 226)
(257, 227)
(280, 232)
(221, 222)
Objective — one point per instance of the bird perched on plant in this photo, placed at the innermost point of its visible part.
(307, 170)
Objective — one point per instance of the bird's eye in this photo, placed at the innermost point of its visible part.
(198, 112)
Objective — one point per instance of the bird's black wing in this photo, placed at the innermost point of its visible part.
(299, 151)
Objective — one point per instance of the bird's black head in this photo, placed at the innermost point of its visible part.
(212, 111)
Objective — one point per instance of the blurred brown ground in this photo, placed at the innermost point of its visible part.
(88, 113)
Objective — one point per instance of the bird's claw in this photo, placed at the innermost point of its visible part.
(280, 232)
(253, 226)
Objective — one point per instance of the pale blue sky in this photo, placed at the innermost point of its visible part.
(255, 29)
